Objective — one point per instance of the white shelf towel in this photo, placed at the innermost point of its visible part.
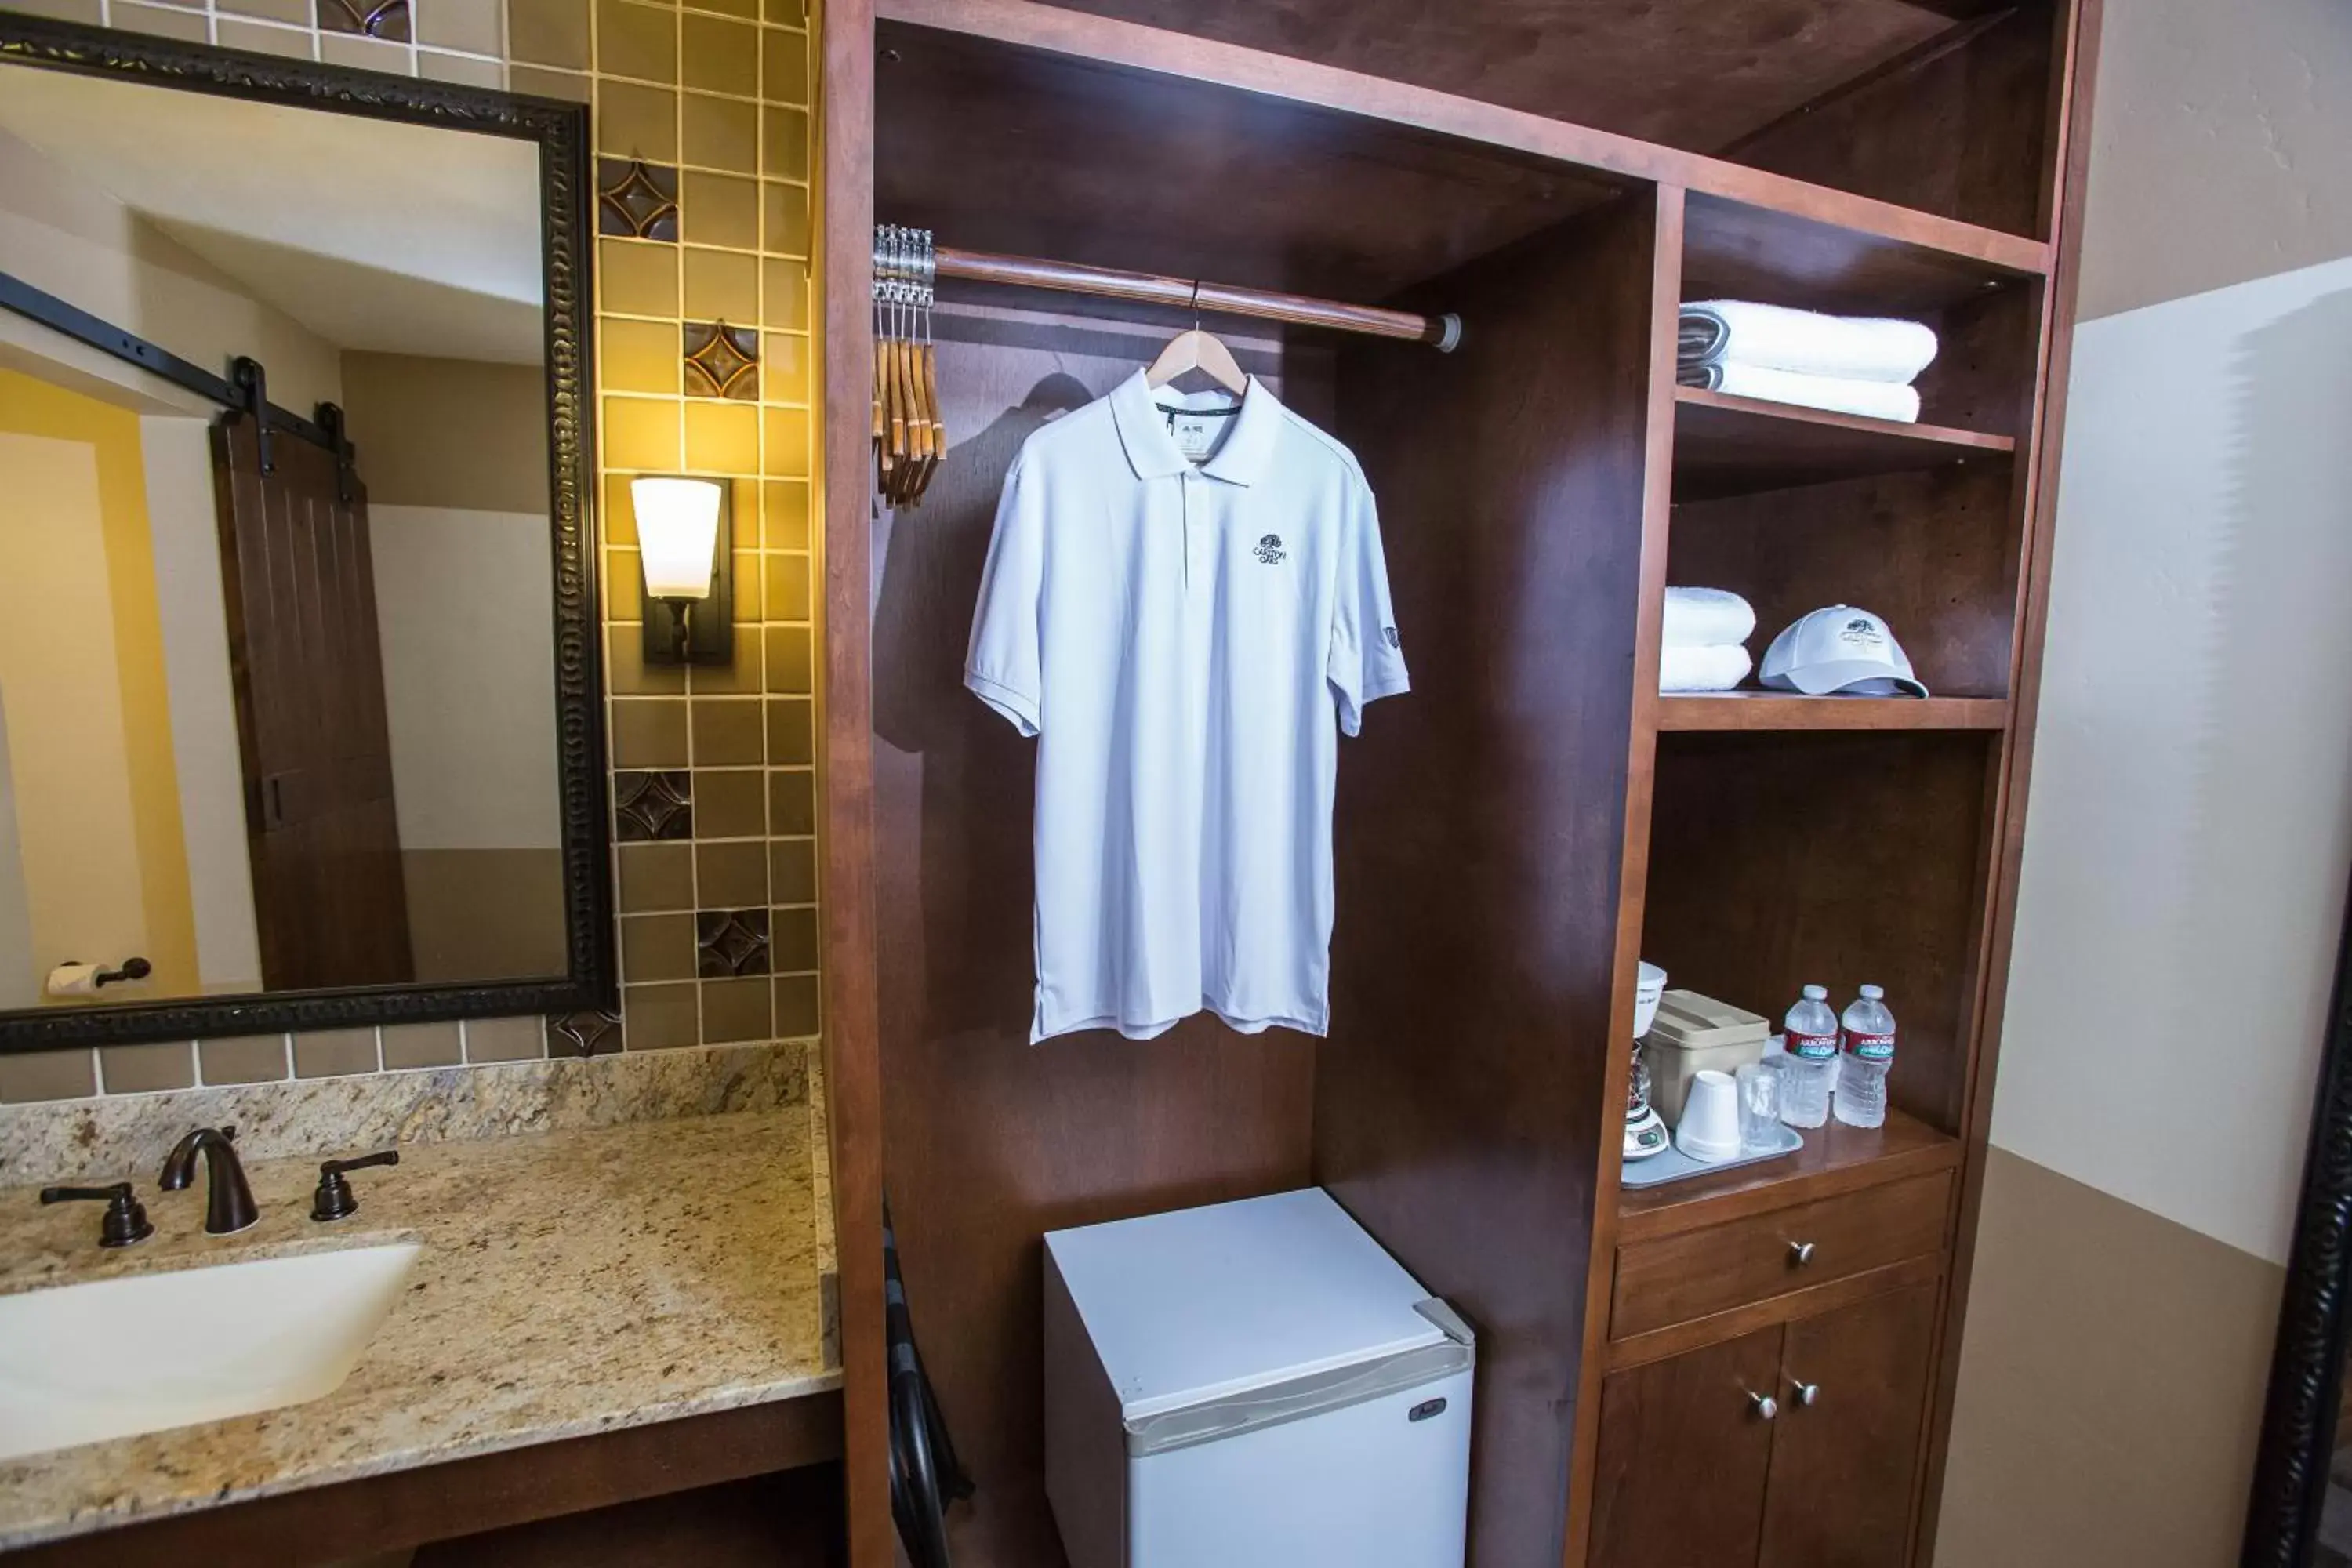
(1690, 669)
(1773, 337)
(1871, 399)
(1706, 617)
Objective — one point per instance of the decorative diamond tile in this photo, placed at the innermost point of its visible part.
(583, 1033)
(637, 200)
(721, 361)
(654, 805)
(388, 19)
(733, 942)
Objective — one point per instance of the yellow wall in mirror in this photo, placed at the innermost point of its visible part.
(83, 687)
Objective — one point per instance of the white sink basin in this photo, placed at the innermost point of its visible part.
(81, 1364)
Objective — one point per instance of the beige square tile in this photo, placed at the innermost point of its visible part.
(786, 138)
(730, 804)
(783, 66)
(625, 669)
(791, 869)
(792, 803)
(471, 25)
(547, 33)
(361, 54)
(638, 41)
(727, 734)
(794, 13)
(786, 451)
(656, 876)
(785, 514)
(793, 938)
(740, 677)
(506, 1039)
(788, 588)
(720, 209)
(732, 876)
(636, 121)
(790, 662)
(654, 1017)
(82, 11)
(736, 1010)
(620, 509)
(720, 134)
(294, 11)
(292, 42)
(783, 218)
(142, 1069)
(241, 1058)
(747, 9)
(641, 433)
(47, 1075)
(790, 743)
(333, 1053)
(786, 304)
(723, 437)
(164, 23)
(639, 356)
(796, 1007)
(720, 56)
(422, 1045)
(433, 65)
(649, 732)
(784, 368)
(722, 286)
(657, 947)
(625, 586)
(571, 87)
(751, 593)
(637, 276)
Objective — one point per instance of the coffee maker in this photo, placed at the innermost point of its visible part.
(1645, 1131)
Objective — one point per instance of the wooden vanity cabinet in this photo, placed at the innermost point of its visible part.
(1696, 1469)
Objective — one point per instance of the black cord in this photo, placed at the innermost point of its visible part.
(925, 1474)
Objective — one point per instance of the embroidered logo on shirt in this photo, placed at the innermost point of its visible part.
(1269, 550)
(1389, 634)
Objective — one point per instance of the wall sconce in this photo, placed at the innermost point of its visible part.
(686, 545)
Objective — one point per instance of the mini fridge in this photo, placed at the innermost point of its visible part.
(1252, 1384)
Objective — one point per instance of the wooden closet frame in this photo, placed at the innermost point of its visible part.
(853, 1077)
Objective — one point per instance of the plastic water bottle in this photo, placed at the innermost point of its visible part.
(1811, 1034)
(1869, 1053)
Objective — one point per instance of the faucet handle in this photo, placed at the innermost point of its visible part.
(126, 1216)
(334, 1198)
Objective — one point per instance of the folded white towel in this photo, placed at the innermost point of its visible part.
(1717, 669)
(1706, 617)
(1773, 337)
(1875, 399)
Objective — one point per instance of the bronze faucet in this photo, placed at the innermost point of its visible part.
(228, 1202)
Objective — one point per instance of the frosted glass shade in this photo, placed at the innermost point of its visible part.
(677, 534)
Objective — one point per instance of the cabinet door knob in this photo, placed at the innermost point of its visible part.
(1800, 1253)
(1806, 1393)
(1766, 1406)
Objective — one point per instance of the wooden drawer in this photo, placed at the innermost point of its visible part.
(1675, 1279)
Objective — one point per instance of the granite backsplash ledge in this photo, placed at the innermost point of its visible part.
(124, 1135)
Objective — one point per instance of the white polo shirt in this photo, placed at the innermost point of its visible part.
(1187, 643)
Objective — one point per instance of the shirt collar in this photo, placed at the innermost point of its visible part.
(1152, 453)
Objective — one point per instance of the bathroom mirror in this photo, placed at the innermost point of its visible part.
(299, 723)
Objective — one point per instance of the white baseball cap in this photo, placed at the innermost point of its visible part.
(1843, 649)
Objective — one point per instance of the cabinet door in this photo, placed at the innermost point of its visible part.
(1684, 1451)
(1845, 1455)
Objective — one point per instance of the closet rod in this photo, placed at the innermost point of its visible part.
(1184, 293)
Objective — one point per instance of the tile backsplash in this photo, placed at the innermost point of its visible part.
(704, 365)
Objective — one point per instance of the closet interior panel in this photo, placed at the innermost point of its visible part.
(1457, 1104)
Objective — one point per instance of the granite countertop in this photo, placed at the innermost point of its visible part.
(570, 1283)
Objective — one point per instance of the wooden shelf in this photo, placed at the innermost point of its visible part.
(1750, 710)
(1835, 1159)
(1726, 446)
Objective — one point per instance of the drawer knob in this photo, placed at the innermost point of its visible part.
(1806, 1393)
(1766, 1406)
(1800, 1253)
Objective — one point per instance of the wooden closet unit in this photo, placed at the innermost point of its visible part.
(1533, 818)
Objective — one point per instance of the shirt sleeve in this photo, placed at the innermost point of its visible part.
(1005, 666)
(1367, 657)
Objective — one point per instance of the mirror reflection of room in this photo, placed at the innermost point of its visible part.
(270, 719)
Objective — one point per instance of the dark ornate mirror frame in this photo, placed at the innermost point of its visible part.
(561, 132)
(2298, 1433)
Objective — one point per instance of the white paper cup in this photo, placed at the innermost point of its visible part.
(1649, 990)
(1710, 1130)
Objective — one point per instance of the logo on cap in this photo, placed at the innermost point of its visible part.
(1269, 550)
(1861, 630)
